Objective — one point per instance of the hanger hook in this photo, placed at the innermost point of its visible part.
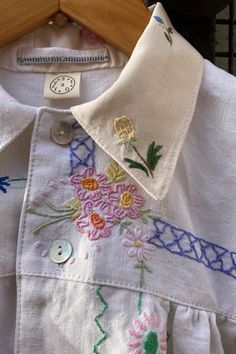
(58, 20)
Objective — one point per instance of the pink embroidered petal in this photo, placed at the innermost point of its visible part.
(105, 232)
(84, 195)
(88, 207)
(146, 256)
(140, 326)
(140, 255)
(137, 232)
(89, 172)
(148, 246)
(144, 238)
(128, 243)
(132, 252)
(138, 201)
(133, 344)
(81, 224)
(120, 213)
(137, 351)
(131, 188)
(135, 334)
(93, 235)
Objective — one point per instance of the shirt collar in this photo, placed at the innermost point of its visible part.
(150, 105)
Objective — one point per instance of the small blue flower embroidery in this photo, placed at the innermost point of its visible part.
(4, 182)
(168, 30)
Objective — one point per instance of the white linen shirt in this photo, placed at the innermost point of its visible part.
(118, 203)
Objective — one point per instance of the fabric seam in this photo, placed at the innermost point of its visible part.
(130, 287)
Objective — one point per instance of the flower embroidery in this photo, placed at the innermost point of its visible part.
(4, 182)
(168, 30)
(126, 201)
(148, 335)
(125, 130)
(96, 220)
(96, 205)
(90, 184)
(138, 245)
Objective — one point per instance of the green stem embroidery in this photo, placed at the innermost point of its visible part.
(52, 221)
(17, 179)
(34, 212)
(53, 207)
(144, 161)
(70, 211)
(146, 215)
(143, 267)
(17, 185)
(123, 225)
(150, 162)
(140, 295)
(100, 314)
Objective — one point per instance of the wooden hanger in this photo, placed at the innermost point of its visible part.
(119, 23)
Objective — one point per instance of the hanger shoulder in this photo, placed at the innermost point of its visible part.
(119, 23)
(21, 17)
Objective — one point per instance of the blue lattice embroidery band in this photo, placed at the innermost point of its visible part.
(81, 151)
(183, 243)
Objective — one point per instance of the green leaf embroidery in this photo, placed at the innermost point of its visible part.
(123, 225)
(147, 214)
(153, 156)
(128, 142)
(135, 164)
(168, 36)
(115, 172)
(151, 343)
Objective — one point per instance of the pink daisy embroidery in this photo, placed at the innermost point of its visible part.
(90, 184)
(126, 201)
(96, 220)
(138, 245)
(148, 335)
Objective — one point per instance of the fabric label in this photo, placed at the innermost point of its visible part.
(62, 85)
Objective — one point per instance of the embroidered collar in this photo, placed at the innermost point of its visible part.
(141, 121)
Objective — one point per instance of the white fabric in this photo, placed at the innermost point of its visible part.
(189, 281)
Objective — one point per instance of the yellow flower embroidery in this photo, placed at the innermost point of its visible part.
(124, 127)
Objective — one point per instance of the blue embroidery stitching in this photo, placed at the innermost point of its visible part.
(4, 182)
(81, 151)
(183, 243)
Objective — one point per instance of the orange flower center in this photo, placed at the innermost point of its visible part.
(90, 183)
(97, 221)
(126, 200)
(138, 244)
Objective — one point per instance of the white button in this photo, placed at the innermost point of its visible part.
(60, 250)
(62, 133)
